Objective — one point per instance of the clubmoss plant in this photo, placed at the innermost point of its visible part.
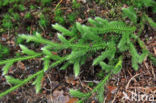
(19, 40)
(110, 39)
(140, 13)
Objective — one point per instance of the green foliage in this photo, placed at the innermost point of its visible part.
(45, 2)
(5, 69)
(77, 93)
(7, 22)
(37, 82)
(92, 12)
(43, 21)
(27, 15)
(4, 3)
(110, 38)
(46, 63)
(153, 59)
(2, 30)
(91, 84)
(32, 7)
(97, 1)
(100, 1)
(76, 68)
(72, 17)
(75, 4)
(4, 51)
(16, 16)
(150, 21)
(64, 31)
(100, 74)
(99, 89)
(27, 51)
(131, 13)
(140, 3)
(19, 40)
(140, 6)
(12, 80)
(59, 16)
(21, 7)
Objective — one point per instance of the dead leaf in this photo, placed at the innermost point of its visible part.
(73, 100)
(21, 65)
(58, 97)
(112, 89)
(70, 80)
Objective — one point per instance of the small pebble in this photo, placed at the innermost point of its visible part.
(84, 1)
(150, 38)
(146, 36)
(3, 39)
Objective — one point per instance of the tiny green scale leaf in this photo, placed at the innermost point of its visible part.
(5, 69)
(76, 68)
(12, 80)
(118, 66)
(38, 81)
(78, 94)
(62, 29)
(25, 50)
(46, 64)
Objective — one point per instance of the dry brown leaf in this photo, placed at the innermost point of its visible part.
(21, 65)
(72, 100)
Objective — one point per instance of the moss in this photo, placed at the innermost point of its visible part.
(75, 4)
(21, 7)
(45, 2)
(16, 16)
(27, 15)
(59, 16)
(4, 51)
(92, 12)
(32, 7)
(43, 21)
(7, 22)
(19, 40)
(72, 17)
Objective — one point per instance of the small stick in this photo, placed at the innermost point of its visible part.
(131, 80)
(113, 101)
(153, 71)
(58, 4)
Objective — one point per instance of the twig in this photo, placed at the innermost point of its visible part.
(153, 71)
(147, 67)
(94, 81)
(84, 85)
(131, 75)
(131, 80)
(58, 4)
(113, 101)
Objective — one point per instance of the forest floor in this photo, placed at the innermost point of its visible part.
(56, 83)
